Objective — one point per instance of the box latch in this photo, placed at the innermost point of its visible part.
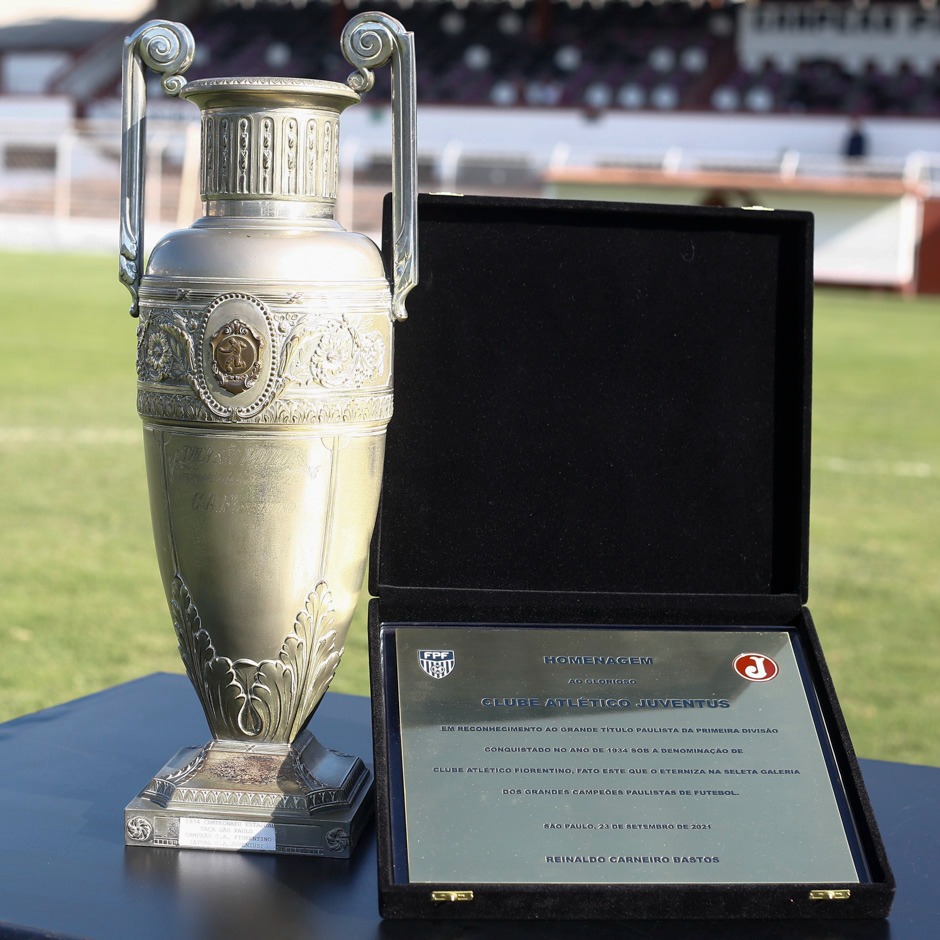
(451, 895)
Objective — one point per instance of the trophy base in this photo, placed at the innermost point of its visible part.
(290, 799)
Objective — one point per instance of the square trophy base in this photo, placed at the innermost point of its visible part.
(297, 799)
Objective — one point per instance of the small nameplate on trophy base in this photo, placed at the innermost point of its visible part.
(301, 799)
(559, 756)
(202, 833)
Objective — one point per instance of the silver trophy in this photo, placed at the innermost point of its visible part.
(265, 387)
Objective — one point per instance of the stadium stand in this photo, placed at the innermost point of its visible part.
(882, 59)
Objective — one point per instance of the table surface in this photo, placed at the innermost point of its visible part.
(66, 774)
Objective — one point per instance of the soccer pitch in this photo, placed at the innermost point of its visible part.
(81, 607)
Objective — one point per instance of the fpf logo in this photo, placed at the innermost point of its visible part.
(437, 663)
(755, 667)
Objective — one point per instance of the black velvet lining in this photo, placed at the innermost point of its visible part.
(595, 397)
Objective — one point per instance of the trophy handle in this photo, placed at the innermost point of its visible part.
(166, 48)
(369, 41)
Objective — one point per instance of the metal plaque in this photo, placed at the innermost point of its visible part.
(613, 756)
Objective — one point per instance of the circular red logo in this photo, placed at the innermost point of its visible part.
(755, 667)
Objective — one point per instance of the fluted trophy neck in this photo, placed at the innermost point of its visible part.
(270, 146)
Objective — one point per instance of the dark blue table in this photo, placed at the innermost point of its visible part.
(66, 774)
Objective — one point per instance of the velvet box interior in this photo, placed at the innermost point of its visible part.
(602, 417)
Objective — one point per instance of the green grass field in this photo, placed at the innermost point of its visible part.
(81, 607)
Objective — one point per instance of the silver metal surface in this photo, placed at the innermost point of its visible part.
(370, 40)
(265, 387)
(298, 799)
(168, 49)
(613, 756)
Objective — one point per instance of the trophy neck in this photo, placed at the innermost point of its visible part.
(270, 146)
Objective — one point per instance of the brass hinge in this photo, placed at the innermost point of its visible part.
(451, 895)
(830, 894)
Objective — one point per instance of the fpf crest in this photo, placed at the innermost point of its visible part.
(437, 663)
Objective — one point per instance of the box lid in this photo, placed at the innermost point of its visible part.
(604, 401)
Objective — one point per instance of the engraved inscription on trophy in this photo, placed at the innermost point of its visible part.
(236, 356)
(206, 833)
(244, 478)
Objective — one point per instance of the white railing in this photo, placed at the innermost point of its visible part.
(72, 171)
(918, 168)
(75, 170)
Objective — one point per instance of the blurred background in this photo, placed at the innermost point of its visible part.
(830, 107)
